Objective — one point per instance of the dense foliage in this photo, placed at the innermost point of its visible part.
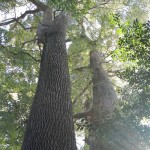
(134, 49)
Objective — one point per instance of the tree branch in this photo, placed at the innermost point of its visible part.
(82, 92)
(26, 54)
(25, 28)
(18, 18)
(82, 68)
(37, 60)
(100, 4)
(39, 5)
(82, 114)
(33, 40)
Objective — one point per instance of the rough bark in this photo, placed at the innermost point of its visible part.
(111, 135)
(50, 124)
(104, 97)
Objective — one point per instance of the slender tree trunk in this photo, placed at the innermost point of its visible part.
(104, 97)
(50, 124)
(111, 135)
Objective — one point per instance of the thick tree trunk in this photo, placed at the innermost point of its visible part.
(50, 124)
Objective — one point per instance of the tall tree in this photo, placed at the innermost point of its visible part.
(50, 124)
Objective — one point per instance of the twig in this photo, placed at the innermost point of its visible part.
(39, 5)
(28, 42)
(18, 18)
(31, 56)
(90, 23)
(25, 28)
(82, 68)
(26, 54)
